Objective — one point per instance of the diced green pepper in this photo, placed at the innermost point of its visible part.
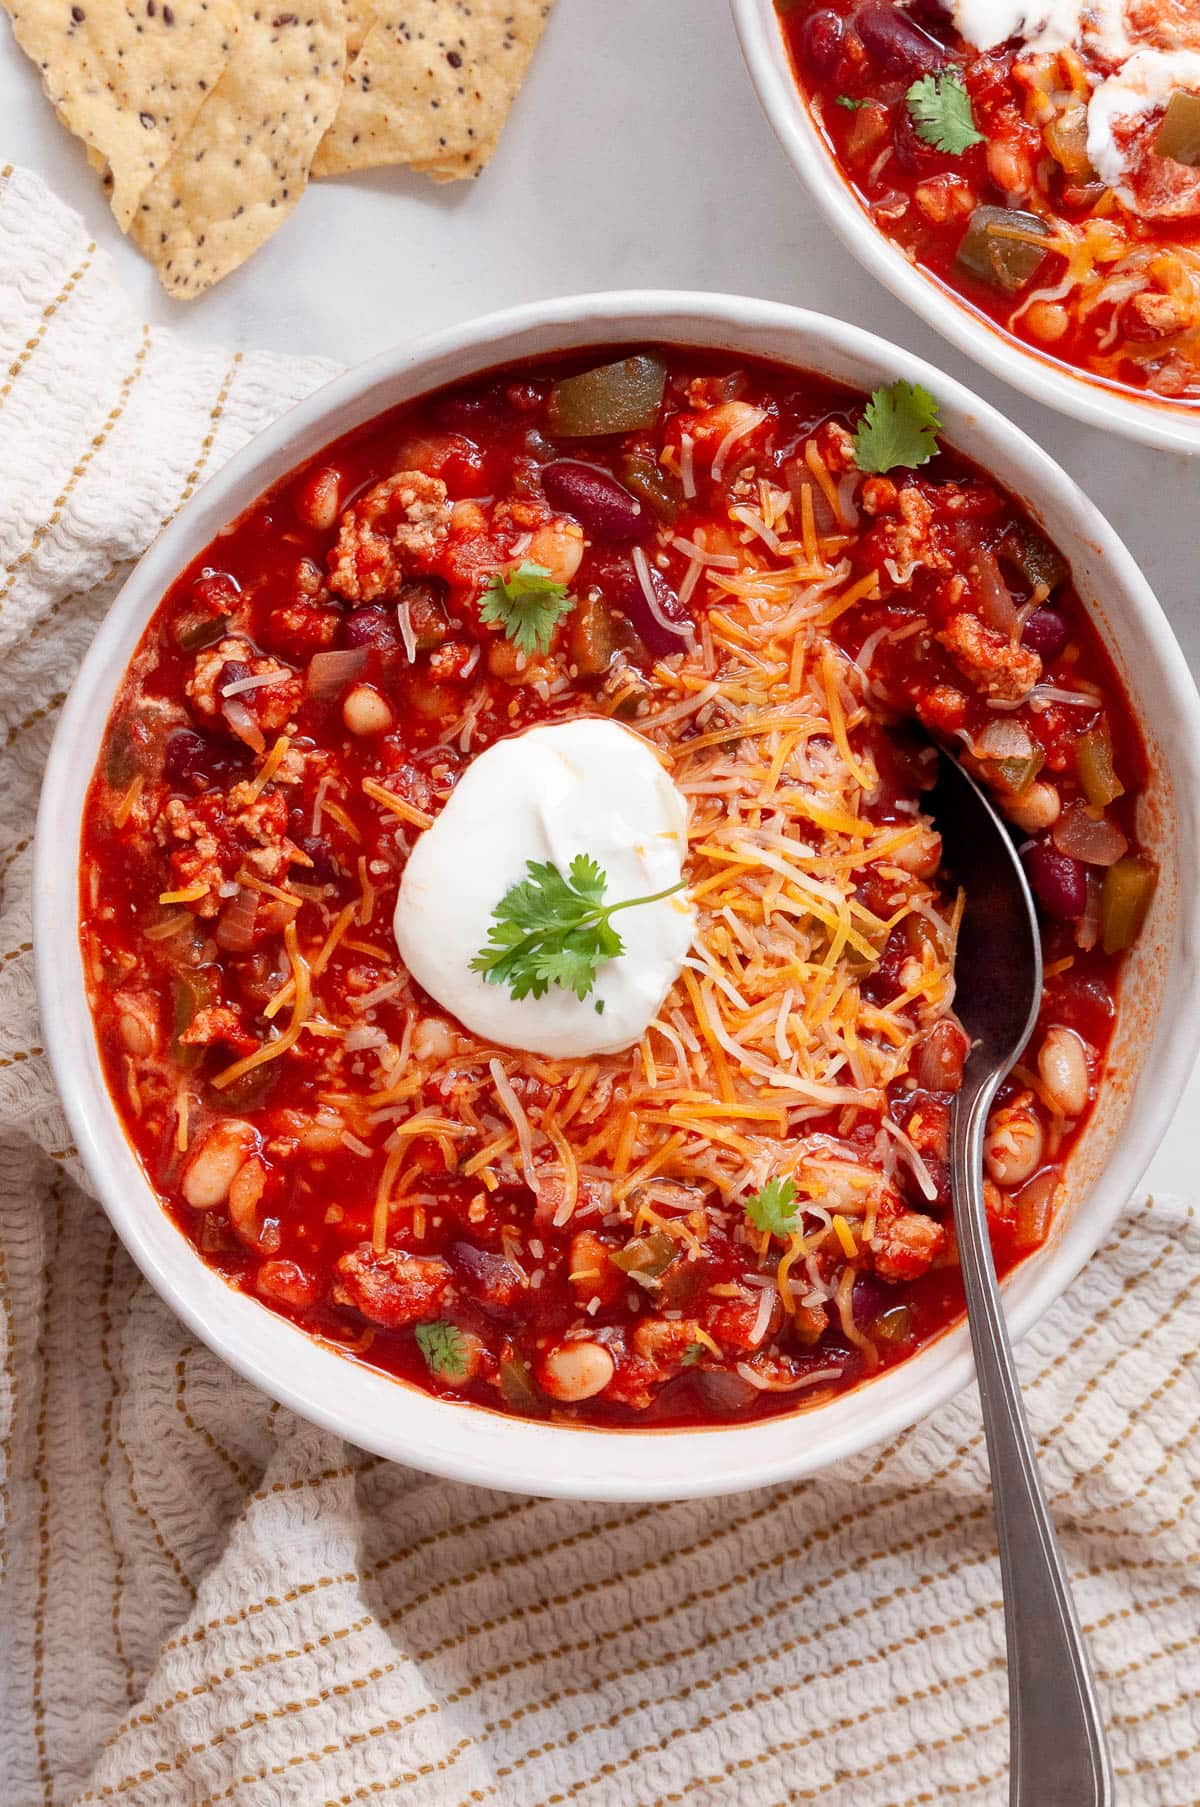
(518, 1388)
(646, 1258)
(996, 247)
(120, 760)
(893, 1325)
(191, 991)
(198, 631)
(1178, 136)
(1094, 763)
(1124, 900)
(1017, 774)
(1038, 562)
(646, 479)
(613, 398)
(592, 636)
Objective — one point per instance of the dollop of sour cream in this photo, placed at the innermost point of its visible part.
(1145, 82)
(1045, 25)
(585, 786)
(1148, 59)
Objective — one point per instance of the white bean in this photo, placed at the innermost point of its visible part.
(364, 711)
(216, 1163)
(1063, 1065)
(575, 1371)
(1038, 806)
(558, 548)
(1013, 1145)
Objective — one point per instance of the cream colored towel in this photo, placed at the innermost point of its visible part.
(203, 1600)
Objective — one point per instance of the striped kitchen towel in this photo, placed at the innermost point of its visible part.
(203, 1600)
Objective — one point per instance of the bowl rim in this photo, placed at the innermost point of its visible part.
(1152, 420)
(398, 1421)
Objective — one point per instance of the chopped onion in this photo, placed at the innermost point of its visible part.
(330, 672)
(1003, 740)
(243, 723)
(845, 495)
(235, 928)
(996, 606)
(404, 617)
(1087, 930)
(1082, 836)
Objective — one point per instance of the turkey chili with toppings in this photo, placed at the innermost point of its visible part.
(517, 949)
(1043, 162)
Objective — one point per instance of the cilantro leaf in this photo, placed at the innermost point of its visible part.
(899, 427)
(444, 1348)
(549, 930)
(527, 603)
(851, 105)
(940, 108)
(774, 1209)
(694, 1353)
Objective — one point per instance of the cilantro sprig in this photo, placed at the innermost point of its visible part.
(527, 603)
(940, 108)
(848, 101)
(775, 1209)
(444, 1348)
(899, 426)
(550, 929)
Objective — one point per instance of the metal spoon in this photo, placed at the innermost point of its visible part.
(1057, 1751)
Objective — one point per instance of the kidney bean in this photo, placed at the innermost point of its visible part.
(618, 583)
(1045, 633)
(1059, 882)
(192, 761)
(324, 869)
(723, 1392)
(893, 42)
(867, 1299)
(604, 509)
(491, 1280)
(468, 414)
(912, 153)
(821, 39)
(937, 1064)
(372, 627)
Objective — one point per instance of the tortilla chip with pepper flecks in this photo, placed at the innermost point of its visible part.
(127, 76)
(432, 85)
(245, 162)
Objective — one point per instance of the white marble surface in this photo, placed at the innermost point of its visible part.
(636, 156)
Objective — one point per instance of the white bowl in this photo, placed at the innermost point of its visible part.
(1155, 1040)
(1172, 426)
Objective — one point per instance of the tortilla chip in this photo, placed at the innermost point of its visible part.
(245, 162)
(432, 85)
(127, 76)
(360, 16)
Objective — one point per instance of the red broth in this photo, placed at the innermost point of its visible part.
(1116, 289)
(333, 1142)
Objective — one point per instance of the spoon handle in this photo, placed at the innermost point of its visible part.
(1058, 1755)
